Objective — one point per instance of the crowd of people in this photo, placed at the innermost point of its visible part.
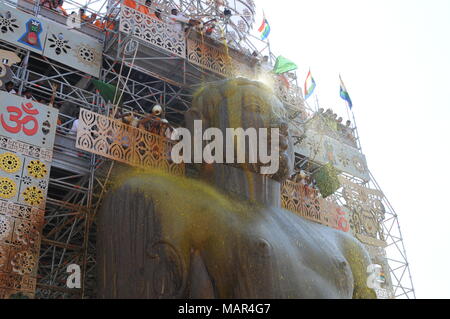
(27, 93)
(154, 122)
(335, 124)
(101, 23)
(176, 19)
(307, 181)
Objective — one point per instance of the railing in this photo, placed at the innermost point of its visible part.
(291, 94)
(115, 140)
(215, 59)
(200, 50)
(87, 28)
(305, 201)
(153, 31)
(332, 128)
(362, 217)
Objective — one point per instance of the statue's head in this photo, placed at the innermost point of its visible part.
(251, 108)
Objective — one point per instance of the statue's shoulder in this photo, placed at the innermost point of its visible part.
(152, 180)
(173, 190)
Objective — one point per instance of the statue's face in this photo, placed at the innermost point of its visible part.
(241, 103)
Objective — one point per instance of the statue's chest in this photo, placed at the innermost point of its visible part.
(323, 271)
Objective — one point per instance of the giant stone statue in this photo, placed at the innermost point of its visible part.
(223, 233)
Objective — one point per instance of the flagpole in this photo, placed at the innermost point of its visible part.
(356, 131)
(313, 93)
(355, 126)
(267, 40)
(354, 119)
(270, 50)
(345, 103)
(346, 109)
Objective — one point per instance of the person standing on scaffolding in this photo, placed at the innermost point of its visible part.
(145, 9)
(210, 27)
(152, 122)
(9, 87)
(48, 4)
(130, 3)
(178, 21)
(59, 8)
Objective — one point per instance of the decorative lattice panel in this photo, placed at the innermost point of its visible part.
(153, 31)
(216, 59)
(113, 139)
(368, 212)
(305, 202)
(210, 58)
(321, 148)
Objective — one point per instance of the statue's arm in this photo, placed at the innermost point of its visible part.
(142, 249)
(359, 260)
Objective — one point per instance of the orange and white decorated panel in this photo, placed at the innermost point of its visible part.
(27, 133)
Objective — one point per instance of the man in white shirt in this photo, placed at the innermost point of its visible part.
(27, 94)
(74, 129)
(178, 21)
(9, 87)
(170, 132)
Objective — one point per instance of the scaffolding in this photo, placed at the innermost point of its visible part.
(151, 64)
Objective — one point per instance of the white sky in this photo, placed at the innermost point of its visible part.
(394, 58)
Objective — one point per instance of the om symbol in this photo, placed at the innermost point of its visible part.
(21, 123)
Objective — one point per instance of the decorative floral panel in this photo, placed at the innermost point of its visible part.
(368, 212)
(51, 39)
(22, 29)
(210, 58)
(74, 49)
(153, 31)
(216, 59)
(25, 159)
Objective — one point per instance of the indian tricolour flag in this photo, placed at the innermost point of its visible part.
(264, 29)
(344, 94)
(310, 85)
